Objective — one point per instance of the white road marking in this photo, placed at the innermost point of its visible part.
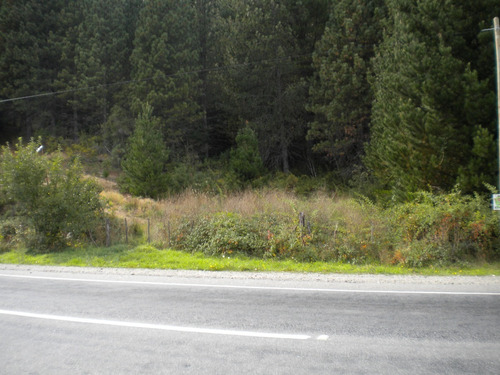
(225, 286)
(163, 327)
(322, 338)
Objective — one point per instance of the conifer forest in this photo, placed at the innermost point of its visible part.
(394, 94)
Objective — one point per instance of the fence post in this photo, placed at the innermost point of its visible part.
(108, 233)
(302, 219)
(303, 223)
(126, 231)
(149, 232)
(168, 225)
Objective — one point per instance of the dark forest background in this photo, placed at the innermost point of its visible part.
(397, 93)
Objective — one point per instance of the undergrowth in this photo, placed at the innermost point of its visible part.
(430, 230)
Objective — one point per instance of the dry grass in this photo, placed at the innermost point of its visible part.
(106, 184)
(247, 204)
(339, 228)
(166, 215)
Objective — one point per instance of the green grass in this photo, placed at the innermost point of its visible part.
(146, 256)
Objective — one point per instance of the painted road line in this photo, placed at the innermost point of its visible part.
(162, 327)
(225, 286)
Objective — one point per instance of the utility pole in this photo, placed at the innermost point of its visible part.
(496, 32)
(496, 28)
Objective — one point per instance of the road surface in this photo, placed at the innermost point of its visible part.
(62, 321)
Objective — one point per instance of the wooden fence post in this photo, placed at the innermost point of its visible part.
(149, 232)
(126, 231)
(302, 219)
(108, 233)
(168, 225)
(303, 223)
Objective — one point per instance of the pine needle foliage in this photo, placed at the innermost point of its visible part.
(144, 163)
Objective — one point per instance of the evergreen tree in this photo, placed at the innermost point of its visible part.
(145, 160)
(245, 160)
(27, 61)
(421, 132)
(265, 85)
(341, 97)
(66, 81)
(205, 13)
(95, 56)
(119, 124)
(165, 62)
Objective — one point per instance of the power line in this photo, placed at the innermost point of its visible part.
(119, 83)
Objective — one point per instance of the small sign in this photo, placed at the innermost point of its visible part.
(496, 202)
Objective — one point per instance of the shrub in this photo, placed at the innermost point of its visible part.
(423, 253)
(58, 206)
(146, 157)
(263, 236)
(245, 160)
(443, 228)
(222, 234)
(8, 231)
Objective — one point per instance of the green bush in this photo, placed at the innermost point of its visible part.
(222, 234)
(207, 177)
(8, 234)
(245, 160)
(300, 185)
(423, 253)
(263, 236)
(431, 229)
(57, 205)
(443, 228)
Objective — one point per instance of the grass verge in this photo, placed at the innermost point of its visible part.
(146, 256)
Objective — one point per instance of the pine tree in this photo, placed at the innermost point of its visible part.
(165, 62)
(341, 96)
(245, 160)
(27, 61)
(70, 18)
(95, 56)
(145, 160)
(421, 132)
(265, 87)
(205, 13)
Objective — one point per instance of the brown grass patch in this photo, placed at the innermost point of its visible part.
(166, 215)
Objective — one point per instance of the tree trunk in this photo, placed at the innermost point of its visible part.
(279, 118)
(284, 149)
(203, 31)
(75, 119)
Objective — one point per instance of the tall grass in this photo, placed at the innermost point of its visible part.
(431, 230)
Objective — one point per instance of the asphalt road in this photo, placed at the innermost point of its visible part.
(128, 322)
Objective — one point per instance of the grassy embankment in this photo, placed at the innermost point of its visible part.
(146, 256)
(261, 231)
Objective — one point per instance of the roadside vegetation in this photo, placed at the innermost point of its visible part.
(148, 256)
(64, 218)
(341, 133)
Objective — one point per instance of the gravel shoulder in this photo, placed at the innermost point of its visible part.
(491, 281)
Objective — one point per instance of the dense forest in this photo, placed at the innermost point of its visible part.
(401, 92)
